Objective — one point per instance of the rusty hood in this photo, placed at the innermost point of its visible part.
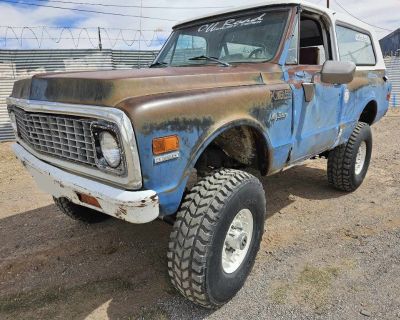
(109, 88)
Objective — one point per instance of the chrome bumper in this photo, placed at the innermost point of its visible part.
(131, 206)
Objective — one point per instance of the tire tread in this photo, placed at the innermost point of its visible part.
(340, 160)
(192, 232)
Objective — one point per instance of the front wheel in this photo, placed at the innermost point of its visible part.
(216, 237)
(348, 163)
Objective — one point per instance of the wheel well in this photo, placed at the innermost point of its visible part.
(369, 113)
(237, 147)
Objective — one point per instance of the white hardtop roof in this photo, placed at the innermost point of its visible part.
(308, 5)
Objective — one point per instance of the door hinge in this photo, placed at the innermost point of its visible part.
(299, 9)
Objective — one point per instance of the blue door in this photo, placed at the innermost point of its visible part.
(316, 122)
(316, 114)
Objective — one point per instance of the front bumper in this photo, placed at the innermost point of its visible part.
(131, 206)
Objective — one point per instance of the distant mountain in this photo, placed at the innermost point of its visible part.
(391, 43)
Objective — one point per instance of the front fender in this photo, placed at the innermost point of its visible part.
(197, 117)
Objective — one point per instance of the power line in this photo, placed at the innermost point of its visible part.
(372, 25)
(82, 38)
(80, 28)
(113, 36)
(84, 10)
(130, 6)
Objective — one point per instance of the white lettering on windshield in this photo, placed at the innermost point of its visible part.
(230, 23)
(362, 37)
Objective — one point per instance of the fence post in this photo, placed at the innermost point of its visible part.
(100, 44)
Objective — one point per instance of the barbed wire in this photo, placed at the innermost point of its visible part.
(138, 37)
(135, 6)
(113, 36)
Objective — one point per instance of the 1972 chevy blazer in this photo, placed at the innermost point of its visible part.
(263, 87)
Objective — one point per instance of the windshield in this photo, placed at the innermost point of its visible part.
(252, 37)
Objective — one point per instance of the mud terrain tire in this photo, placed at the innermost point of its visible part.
(348, 163)
(199, 236)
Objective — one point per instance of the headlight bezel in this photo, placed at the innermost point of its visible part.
(97, 128)
(13, 120)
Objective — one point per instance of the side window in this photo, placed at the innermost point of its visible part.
(187, 46)
(355, 46)
(292, 57)
(314, 39)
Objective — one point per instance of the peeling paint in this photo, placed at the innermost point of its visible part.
(202, 105)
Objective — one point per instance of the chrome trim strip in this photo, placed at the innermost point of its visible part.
(133, 179)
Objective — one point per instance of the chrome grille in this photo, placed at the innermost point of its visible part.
(65, 137)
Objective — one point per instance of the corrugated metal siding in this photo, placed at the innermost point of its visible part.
(393, 70)
(18, 64)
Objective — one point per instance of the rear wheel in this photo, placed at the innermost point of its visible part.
(348, 164)
(216, 237)
(78, 212)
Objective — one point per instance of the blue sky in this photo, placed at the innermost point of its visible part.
(42, 21)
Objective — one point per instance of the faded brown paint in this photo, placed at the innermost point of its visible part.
(108, 88)
(207, 97)
(361, 79)
(226, 103)
(206, 87)
(205, 109)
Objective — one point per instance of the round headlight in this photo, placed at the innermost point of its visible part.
(109, 148)
(13, 121)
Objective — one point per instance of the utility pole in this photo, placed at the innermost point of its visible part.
(140, 33)
(327, 3)
(100, 44)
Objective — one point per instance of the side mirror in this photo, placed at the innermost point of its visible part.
(338, 72)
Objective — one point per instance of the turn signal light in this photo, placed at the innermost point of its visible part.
(165, 144)
(88, 200)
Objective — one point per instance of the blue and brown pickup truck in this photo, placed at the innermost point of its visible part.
(257, 88)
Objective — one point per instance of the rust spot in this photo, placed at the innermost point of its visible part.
(178, 124)
(121, 211)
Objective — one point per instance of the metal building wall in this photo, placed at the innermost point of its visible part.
(393, 70)
(19, 64)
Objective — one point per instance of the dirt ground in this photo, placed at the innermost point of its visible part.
(325, 254)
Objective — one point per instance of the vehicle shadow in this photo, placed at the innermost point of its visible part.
(303, 181)
(54, 267)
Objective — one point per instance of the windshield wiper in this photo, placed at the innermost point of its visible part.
(203, 57)
(158, 64)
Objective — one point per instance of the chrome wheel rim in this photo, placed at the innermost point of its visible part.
(237, 241)
(360, 158)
